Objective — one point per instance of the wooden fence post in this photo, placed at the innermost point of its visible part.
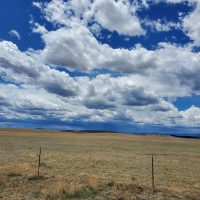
(39, 160)
(152, 172)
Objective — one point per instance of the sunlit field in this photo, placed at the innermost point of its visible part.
(97, 166)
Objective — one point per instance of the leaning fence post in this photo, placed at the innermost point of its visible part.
(39, 158)
(152, 171)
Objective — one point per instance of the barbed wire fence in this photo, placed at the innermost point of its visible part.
(153, 167)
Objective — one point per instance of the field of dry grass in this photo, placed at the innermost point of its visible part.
(97, 166)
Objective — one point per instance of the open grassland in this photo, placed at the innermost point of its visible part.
(97, 166)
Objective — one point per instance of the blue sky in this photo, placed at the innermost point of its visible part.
(127, 66)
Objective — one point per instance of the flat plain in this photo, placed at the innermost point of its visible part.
(97, 166)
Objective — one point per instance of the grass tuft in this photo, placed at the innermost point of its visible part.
(84, 193)
(35, 178)
(14, 174)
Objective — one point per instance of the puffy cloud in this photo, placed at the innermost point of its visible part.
(58, 83)
(15, 34)
(174, 75)
(25, 68)
(101, 99)
(37, 104)
(191, 24)
(105, 92)
(11, 59)
(182, 68)
(77, 48)
(43, 91)
(191, 116)
(149, 80)
(122, 19)
(32, 103)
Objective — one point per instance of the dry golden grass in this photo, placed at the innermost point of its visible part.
(97, 166)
